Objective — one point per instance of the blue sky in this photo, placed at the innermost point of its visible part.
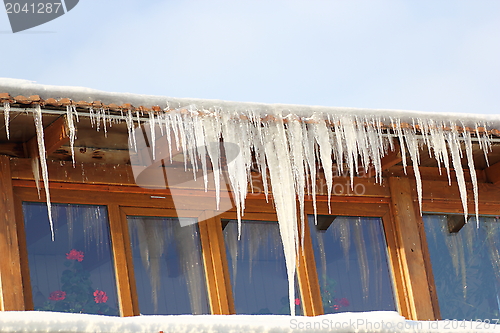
(439, 55)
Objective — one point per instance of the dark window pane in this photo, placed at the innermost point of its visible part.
(73, 273)
(351, 261)
(168, 265)
(257, 268)
(466, 265)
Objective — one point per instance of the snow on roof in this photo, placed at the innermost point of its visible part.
(377, 321)
(15, 87)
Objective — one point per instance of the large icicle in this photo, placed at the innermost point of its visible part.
(454, 145)
(37, 115)
(282, 183)
(472, 171)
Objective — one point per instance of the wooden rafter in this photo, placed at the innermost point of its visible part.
(493, 173)
(55, 135)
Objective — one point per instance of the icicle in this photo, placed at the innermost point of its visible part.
(70, 110)
(6, 114)
(37, 115)
(311, 164)
(35, 168)
(399, 130)
(484, 142)
(131, 132)
(295, 139)
(472, 171)
(152, 129)
(212, 138)
(322, 137)
(454, 145)
(280, 171)
(412, 143)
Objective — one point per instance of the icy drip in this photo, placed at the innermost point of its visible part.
(131, 133)
(412, 144)
(70, 111)
(281, 176)
(472, 171)
(37, 115)
(6, 114)
(322, 137)
(456, 155)
(295, 138)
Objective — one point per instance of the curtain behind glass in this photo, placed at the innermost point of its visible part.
(466, 267)
(168, 266)
(257, 268)
(352, 266)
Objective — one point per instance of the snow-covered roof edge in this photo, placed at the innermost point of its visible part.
(27, 88)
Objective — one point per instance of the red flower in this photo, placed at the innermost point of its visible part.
(336, 307)
(100, 296)
(344, 302)
(57, 295)
(75, 255)
(297, 301)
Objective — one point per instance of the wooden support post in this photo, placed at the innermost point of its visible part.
(11, 284)
(409, 233)
(216, 270)
(312, 304)
(122, 261)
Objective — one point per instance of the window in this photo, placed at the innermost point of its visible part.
(351, 262)
(465, 261)
(74, 272)
(257, 268)
(168, 267)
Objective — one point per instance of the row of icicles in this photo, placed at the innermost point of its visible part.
(289, 150)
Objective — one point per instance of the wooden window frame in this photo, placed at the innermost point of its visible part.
(377, 201)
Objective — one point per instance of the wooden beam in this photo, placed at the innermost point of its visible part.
(55, 135)
(407, 226)
(215, 263)
(122, 263)
(433, 173)
(493, 173)
(312, 304)
(392, 158)
(11, 283)
(13, 149)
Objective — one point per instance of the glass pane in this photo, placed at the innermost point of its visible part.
(73, 273)
(352, 266)
(168, 265)
(466, 265)
(257, 268)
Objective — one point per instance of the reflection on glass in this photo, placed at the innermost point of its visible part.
(73, 273)
(168, 266)
(257, 268)
(351, 261)
(465, 261)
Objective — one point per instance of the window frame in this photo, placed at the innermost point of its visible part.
(120, 198)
